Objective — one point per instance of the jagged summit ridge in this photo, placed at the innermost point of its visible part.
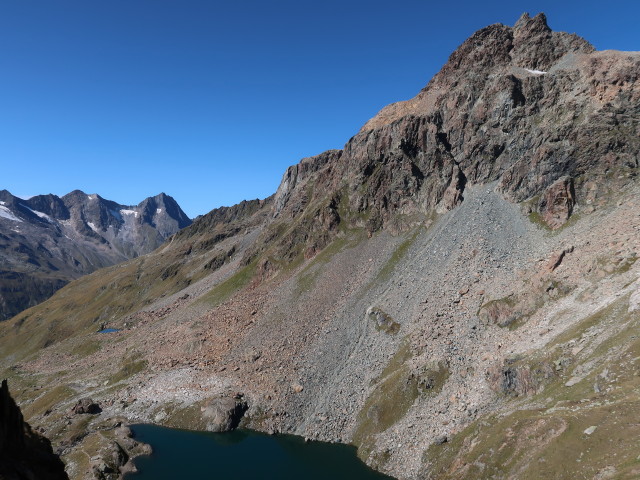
(529, 44)
(497, 111)
(534, 110)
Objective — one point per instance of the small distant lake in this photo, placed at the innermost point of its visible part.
(243, 455)
(109, 330)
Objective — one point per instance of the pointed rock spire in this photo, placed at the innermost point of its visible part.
(527, 26)
(524, 18)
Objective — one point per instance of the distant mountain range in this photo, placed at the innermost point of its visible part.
(46, 240)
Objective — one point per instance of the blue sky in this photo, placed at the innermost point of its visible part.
(210, 101)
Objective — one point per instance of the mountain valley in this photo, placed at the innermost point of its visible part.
(456, 292)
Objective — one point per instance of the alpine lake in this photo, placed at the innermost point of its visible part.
(243, 455)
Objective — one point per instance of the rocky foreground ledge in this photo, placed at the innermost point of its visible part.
(24, 454)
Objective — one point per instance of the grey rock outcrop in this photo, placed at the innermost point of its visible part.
(223, 413)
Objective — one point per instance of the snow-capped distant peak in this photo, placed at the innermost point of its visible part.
(8, 214)
(535, 72)
(92, 197)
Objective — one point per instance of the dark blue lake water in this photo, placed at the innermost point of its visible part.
(243, 455)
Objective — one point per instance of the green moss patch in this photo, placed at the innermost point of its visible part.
(86, 347)
(539, 445)
(189, 417)
(430, 378)
(394, 393)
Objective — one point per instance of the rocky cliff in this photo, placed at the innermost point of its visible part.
(523, 106)
(46, 241)
(455, 292)
(24, 454)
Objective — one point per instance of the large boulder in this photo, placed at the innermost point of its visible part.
(86, 405)
(557, 202)
(222, 414)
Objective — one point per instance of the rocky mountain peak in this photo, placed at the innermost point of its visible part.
(495, 112)
(164, 213)
(49, 204)
(536, 46)
(160, 200)
(488, 58)
(528, 25)
(74, 195)
(530, 43)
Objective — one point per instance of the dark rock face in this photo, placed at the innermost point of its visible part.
(24, 454)
(452, 196)
(522, 106)
(46, 241)
(298, 174)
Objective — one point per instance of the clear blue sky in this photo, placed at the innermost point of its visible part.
(210, 101)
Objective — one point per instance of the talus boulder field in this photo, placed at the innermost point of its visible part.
(454, 292)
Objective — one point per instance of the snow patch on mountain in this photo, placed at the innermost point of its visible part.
(8, 214)
(129, 212)
(39, 214)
